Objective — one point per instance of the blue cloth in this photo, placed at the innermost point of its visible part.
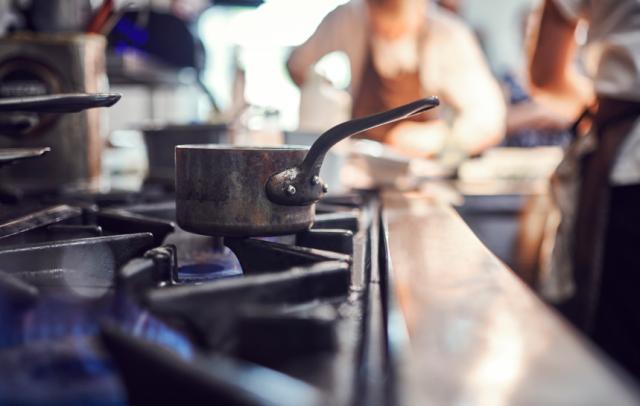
(528, 138)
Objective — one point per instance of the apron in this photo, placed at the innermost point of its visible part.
(581, 192)
(378, 93)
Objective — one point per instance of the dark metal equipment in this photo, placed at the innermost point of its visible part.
(57, 103)
(44, 65)
(102, 297)
(9, 156)
(161, 141)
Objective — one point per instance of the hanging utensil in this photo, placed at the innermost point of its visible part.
(58, 103)
(11, 155)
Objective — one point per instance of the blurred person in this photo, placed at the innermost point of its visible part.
(529, 122)
(596, 246)
(402, 50)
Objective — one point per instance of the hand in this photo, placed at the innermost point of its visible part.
(535, 116)
(419, 139)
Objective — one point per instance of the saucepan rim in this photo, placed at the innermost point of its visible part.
(247, 148)
(163, 128)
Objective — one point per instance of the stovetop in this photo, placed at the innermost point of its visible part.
(103, 300)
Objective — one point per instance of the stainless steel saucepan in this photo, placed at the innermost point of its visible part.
(234, 191)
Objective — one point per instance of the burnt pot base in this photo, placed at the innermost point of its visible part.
(197, 217)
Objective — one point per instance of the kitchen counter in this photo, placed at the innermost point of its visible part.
(508, 217)
(479, 336)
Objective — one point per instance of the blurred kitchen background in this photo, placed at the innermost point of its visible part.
(222, 64)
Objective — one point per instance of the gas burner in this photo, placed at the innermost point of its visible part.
(104, 296)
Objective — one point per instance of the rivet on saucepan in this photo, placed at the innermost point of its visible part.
(315, 180)
(291, 190)
(325, 188)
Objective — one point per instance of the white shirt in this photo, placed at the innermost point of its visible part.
(613, 61)
(613, 44)
(451, 65)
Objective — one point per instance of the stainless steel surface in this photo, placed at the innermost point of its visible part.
(246, 191)
(40, 65)
(477, 334)
(220, 190)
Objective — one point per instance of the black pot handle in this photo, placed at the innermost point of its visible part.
(11, 155)
(301, 185)
(58, 103)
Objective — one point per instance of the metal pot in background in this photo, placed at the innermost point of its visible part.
(160, 142)
(47, 64)
(234, 191)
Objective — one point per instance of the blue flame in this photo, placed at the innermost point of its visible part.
(50, 353)
(210, 265)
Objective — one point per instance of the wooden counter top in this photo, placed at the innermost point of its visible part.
(478, 336)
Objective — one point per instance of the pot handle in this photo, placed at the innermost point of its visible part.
(301, 185)
(58, 103)
(11, 155)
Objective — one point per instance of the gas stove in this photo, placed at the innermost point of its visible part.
(103, 299)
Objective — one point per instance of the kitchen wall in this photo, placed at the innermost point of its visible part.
(500, 25)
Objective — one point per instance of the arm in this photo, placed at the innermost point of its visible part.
(467, 86)
(536, 116)
(471, 90)
(555, 81)
(418, 139)
(328, 37)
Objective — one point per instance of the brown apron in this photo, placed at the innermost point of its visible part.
(378, 93)
(613, 122)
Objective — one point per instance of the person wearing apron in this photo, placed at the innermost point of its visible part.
(596, 256)
(380, 92)
(402, 50)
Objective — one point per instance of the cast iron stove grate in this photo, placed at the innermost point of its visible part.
(105, 300)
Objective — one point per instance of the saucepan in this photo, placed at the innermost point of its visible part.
(237, 191)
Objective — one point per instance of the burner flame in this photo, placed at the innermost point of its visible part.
(210, 264)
